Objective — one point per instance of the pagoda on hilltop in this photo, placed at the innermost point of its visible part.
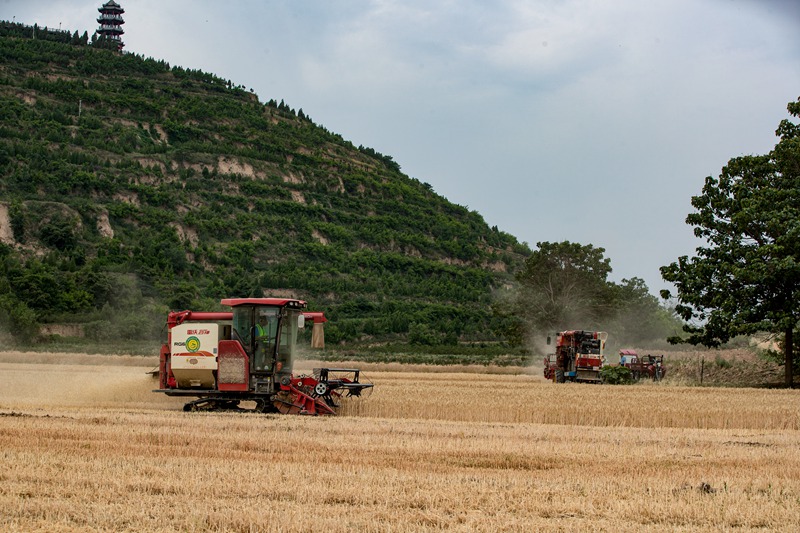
(111, 22)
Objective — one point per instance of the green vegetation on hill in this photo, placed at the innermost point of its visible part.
(130, 186)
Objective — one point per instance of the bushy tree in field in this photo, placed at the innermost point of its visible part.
(17, 319)
(639, 316)
(563, 286)
(746, 277)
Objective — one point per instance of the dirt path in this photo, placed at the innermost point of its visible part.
(6, 233)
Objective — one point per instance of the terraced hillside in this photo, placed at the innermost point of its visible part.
(130, 186)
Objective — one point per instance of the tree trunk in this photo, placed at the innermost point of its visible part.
(789, 352)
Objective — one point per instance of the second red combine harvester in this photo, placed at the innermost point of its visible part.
(578, 357)
(247, 355)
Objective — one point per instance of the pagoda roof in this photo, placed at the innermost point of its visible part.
(111, 7)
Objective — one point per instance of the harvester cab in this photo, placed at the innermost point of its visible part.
(578, 356)
(247, 355)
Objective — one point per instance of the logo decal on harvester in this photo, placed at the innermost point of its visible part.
(192, 344)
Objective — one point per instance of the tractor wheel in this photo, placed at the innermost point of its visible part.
(560, 376)
(657, 375)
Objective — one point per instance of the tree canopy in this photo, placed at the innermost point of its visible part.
(565, 286)
(746, 277)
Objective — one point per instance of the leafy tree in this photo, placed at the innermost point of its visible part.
(182, 295)
(58, 233)
(423, 334)
(640, 317)
(17, 319)
(17, 217)
(563, 286)
(746, 278)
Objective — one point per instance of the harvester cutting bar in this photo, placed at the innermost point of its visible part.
(294, 401)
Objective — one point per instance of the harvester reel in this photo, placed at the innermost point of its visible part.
(363, 392)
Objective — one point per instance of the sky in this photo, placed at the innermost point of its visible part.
(587, 121)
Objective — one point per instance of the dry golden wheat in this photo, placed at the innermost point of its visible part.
(88, 447)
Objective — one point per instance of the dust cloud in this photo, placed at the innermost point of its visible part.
(69, 380)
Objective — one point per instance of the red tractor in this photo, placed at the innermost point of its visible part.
(247, 355)
(644, 366)
(578, 356)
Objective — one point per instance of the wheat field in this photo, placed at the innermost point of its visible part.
(85, 446)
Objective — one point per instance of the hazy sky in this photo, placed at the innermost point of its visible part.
(588, 121)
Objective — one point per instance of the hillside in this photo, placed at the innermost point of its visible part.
(130, 186)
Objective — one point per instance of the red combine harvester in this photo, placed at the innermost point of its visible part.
(247, 355)
(579, 356)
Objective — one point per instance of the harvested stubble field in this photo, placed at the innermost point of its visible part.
(85, 446)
